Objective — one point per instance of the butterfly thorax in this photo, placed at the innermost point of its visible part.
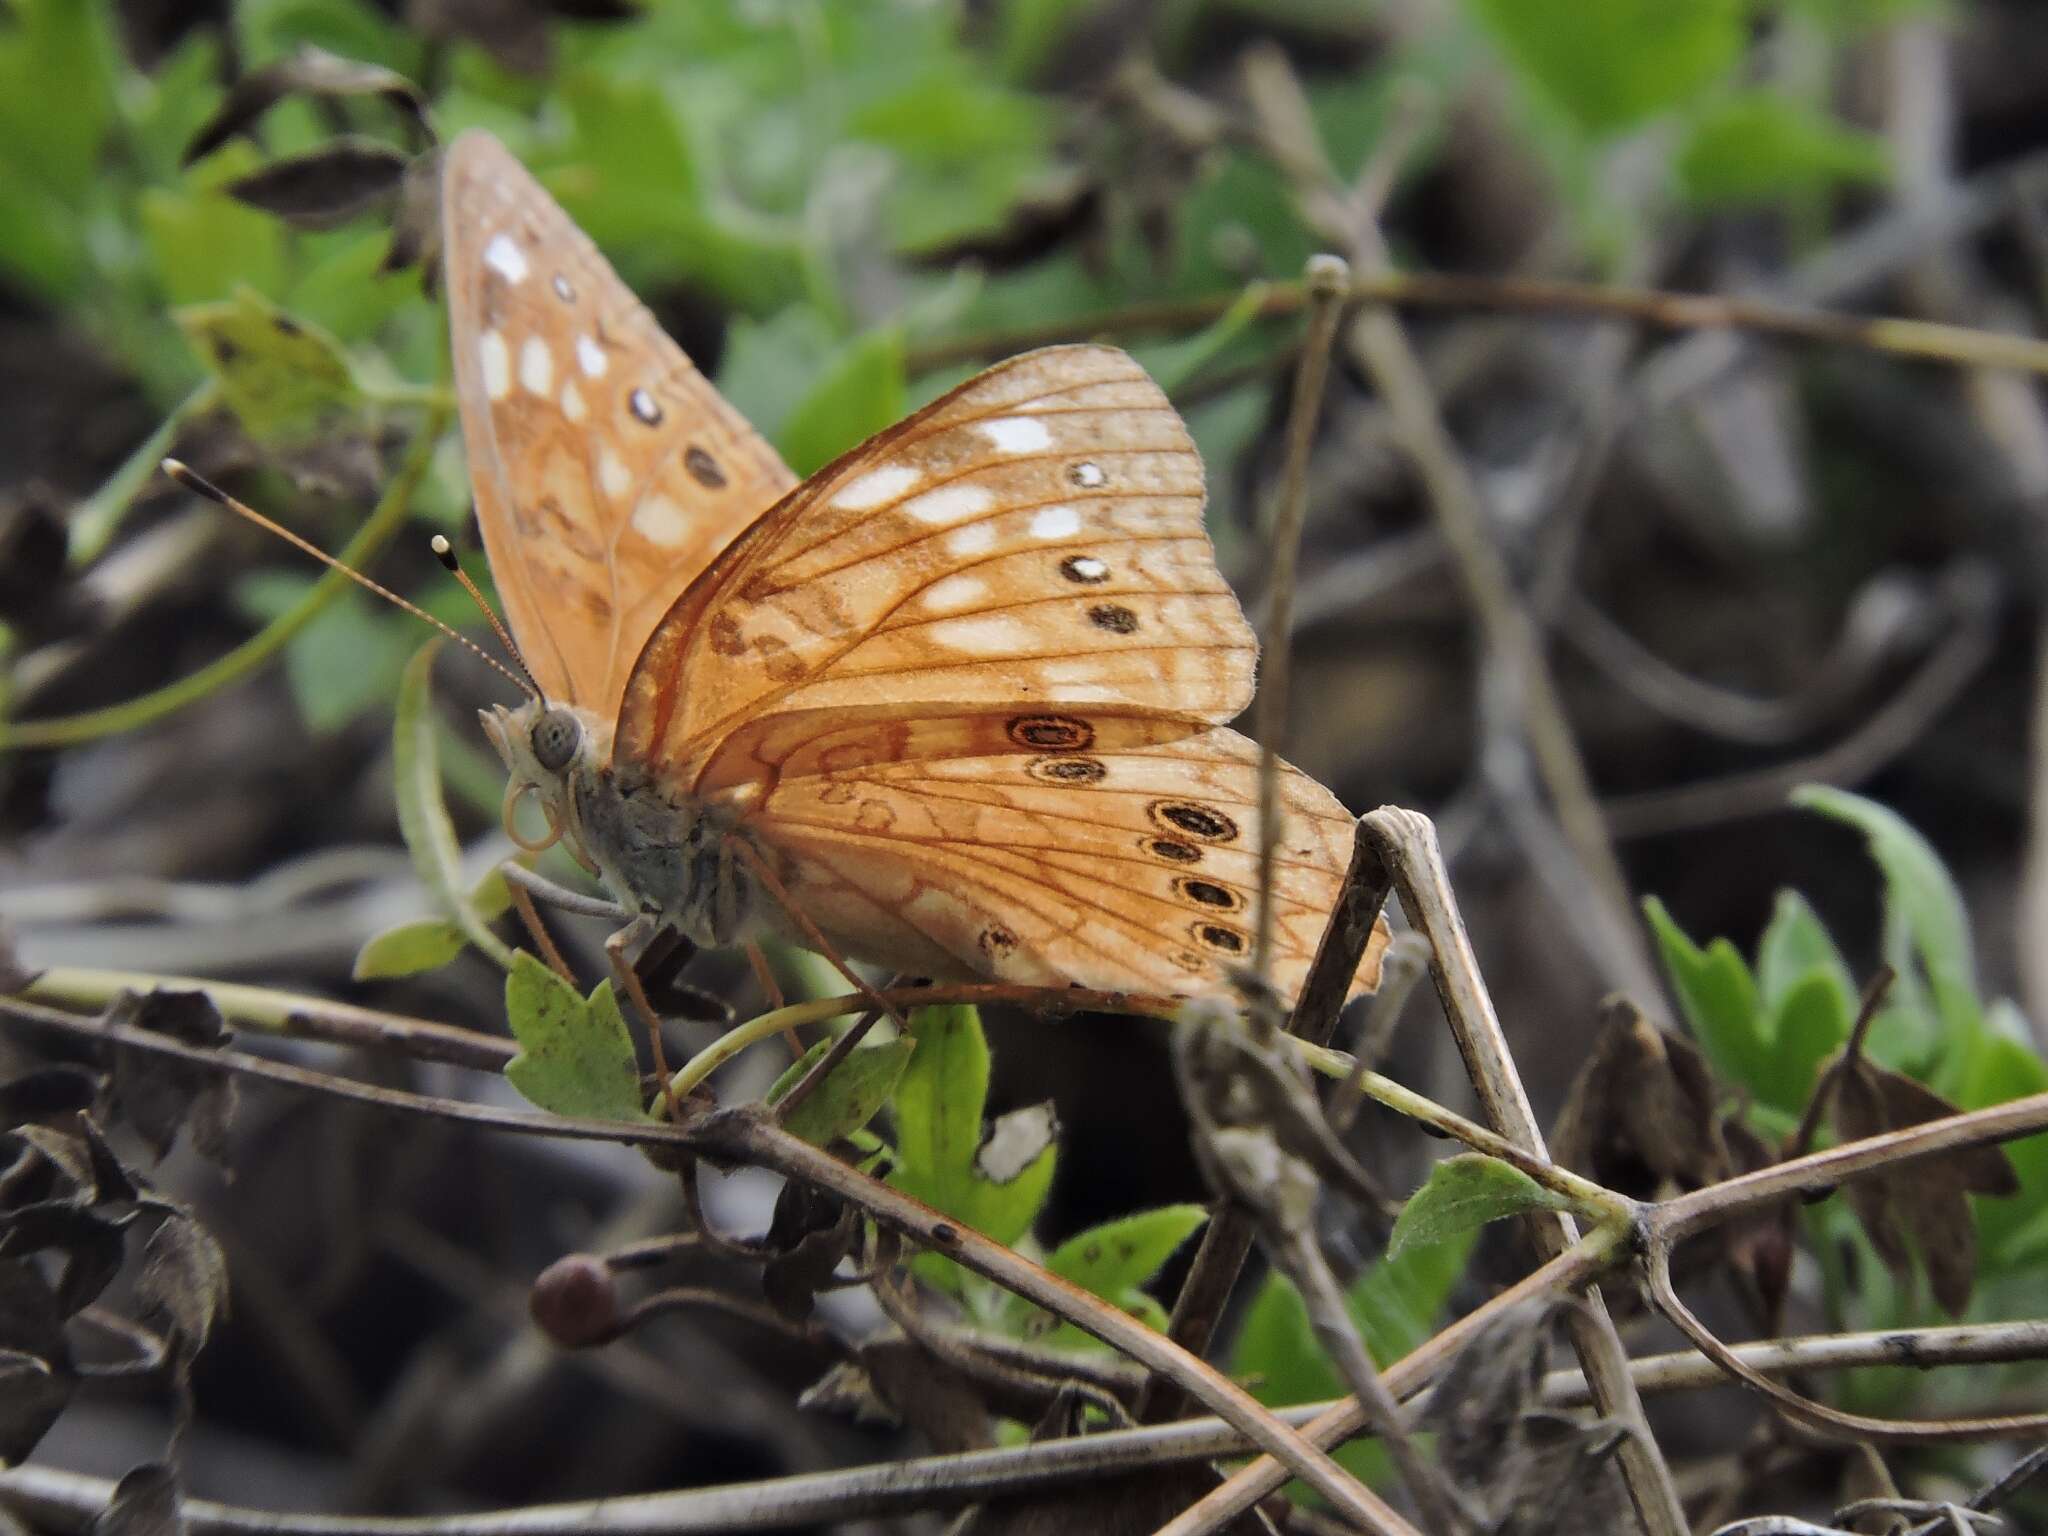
(660, 853)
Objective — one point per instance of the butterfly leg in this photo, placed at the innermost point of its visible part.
(621, 949)
(744, 853)
(519, 876)
(771, 989)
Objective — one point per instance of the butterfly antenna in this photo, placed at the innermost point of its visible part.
(445, 553)
(192, 480)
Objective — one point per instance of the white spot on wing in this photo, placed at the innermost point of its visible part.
(590, 357)
(950, 504)
(572, 402)
(1056, 523)
(504, 256)
(536, 366)
(1014, 434)
(1088, 568)
(996, 636)
(612, 475)
(955, 592)
(876, 487)
(660, 521)
(974, 539)
(563, 290)
(496, 359)
(1087, 473)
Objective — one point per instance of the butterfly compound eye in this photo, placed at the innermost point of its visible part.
(556, 736)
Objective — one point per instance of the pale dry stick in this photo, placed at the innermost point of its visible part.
(1916, 340)
(740, 1136)
(1326, 278)
(68, 1501)
(1404, 842)
(1199, 1307)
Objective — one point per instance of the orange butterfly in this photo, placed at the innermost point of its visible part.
(957, 695)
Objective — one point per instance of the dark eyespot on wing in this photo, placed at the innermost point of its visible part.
(703, 468)
(1052, 733)
(1196, 820)
(1208, 893)
(1067, 770)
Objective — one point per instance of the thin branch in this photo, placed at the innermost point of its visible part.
(1917, 340)
(1664, 1294)
(1326, 279)
(68, 1501)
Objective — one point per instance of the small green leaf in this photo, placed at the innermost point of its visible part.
(575, 1057)
(938, 1112)
(1466, 1192)
(409, 949)
(1920, 890)
(848, 1099)
(939, 1105)
(1717, 996)
(1811, 1021)
(1121, 1255)
(284, 380)
(1759, 145)
(422, 816)
(859, 393)
(1793, 946)
(1610, 64)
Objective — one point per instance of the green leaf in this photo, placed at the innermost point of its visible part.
(859, 392)
(2000, 1066)
(409, 949)
(1793, 947)
(422, 816)
(203, 244)
(59, 70)
(283, 379)
(1464, 1193)
(1919, 889)
(1717, 996)
(1610, 64)
(575, 1057)
(1029, 30)
(939, 1105)
(1119, 1256)
(1759, 145)
(938, 1112)
(1811, 1021)
(1396, 1303)
(347, 658)
(846, 1100)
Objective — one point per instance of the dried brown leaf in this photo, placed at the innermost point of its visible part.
(146, 1502)
(327, 186)
(809, 1234)
(185, 1278)
(32, 1394)
(1642, 1115)
(309, 72)
(160, 1095)
(939, 1402)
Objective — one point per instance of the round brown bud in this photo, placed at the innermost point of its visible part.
(575, 1301)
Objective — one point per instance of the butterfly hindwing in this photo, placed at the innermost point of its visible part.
(1035, 536)
(607, 470)
(1122, 854)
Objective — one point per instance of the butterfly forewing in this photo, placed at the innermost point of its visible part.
(1034, 537)
(607, 471)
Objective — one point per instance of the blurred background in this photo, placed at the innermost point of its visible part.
(1750, 562)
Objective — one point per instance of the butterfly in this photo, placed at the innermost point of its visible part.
(953, 704)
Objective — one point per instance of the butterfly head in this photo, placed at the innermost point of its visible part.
(547, 749)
